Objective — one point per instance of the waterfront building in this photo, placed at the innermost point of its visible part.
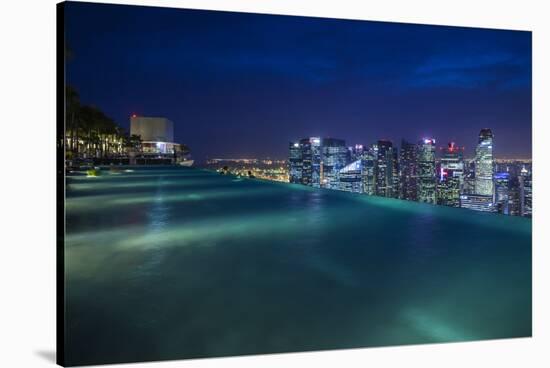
(157, 141)
(387, 178)
(451, 176)
(351, 177)
(477, 202)
(334, 156)
(426, 179)
(484, 164)
(407, 171)
(295, 163)
(157, 134)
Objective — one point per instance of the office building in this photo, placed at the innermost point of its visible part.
(502, 192)
(514, 196)
(351, 177)
(484, 164)
(355, 152)
(311, 161)
(451, 176)
(369, 160)
(295, 163)
(527, 193)
(386, 172)
(426, 179)
(334, 155)
(407, 171)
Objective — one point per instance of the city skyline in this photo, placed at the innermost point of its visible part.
(301, 76)
(413, 172)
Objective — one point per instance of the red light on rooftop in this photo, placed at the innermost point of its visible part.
(134, 115)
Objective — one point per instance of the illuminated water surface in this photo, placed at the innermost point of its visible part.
(182, 263)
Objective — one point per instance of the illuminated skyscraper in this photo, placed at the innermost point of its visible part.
(317, 162)
(526, 193)
(395, 173)
(502, 192)
(311, 161)
(514, 196)
(387, 178)
(355, 152)
(426, 180)
(334, 154)
(350, 177)
(369, 159)
(484, 164)
(407, 171)
(469, 183)
(295, 162)
(450, 178)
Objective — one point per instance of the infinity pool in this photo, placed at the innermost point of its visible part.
(183, 263)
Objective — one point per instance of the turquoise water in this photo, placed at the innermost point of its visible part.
(183, 263)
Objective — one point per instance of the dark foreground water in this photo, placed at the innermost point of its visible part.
(182, 263)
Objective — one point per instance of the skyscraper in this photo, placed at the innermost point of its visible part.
(395, 173)
(502, 192)
(469, 183)
(484, 164)
(355, 152)
(386, 169)
(527, 193)
(350, 177)
(334, 154)
(451, 174)
(407, 171)
(311, 161)
(295, 163)
(369, 159)
(514, 196)
(426, 180)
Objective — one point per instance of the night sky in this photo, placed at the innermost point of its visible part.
(243, 85)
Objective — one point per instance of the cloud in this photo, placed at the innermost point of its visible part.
(471, 70)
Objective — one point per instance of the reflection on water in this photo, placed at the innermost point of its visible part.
(182, 263)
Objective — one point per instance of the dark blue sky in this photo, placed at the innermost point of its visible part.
(241, 85)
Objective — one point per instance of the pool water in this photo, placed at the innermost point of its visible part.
(173, 263)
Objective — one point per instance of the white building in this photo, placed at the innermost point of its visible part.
(157, 140)
(157, 134)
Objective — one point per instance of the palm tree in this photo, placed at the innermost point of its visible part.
(72, 107)
(89, 131)
(134, 142)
